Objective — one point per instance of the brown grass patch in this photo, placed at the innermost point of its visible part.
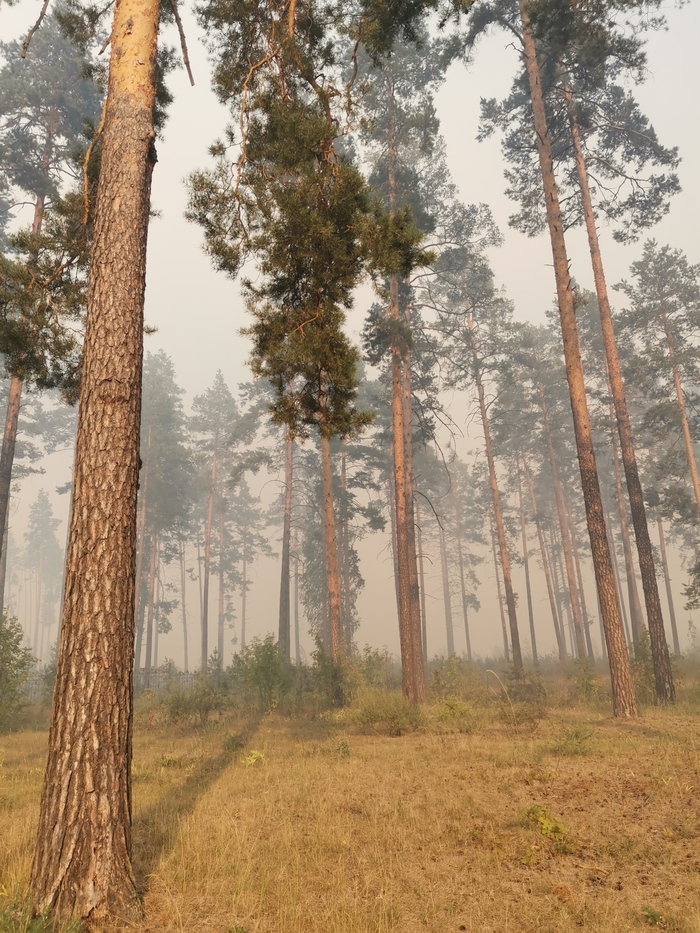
(578, 822)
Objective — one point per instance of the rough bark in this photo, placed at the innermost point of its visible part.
(498, 514)
(561, 644)
(624, 699)
(82, 861)
(331, 552)
(663, 676)
(667, 582)
(284, 630)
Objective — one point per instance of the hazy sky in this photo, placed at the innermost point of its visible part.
(198, 313)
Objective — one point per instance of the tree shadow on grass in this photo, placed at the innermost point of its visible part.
(155, 828)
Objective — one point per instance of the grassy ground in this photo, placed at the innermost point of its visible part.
(481, 816)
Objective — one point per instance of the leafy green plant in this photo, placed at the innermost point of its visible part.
(262, 673)
(652, 917)
(549, 827)
(253, 758)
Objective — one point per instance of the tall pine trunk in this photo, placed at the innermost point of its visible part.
(82, 861)
(421, 583)
(579, 579)
(463, 590)
(667, 582)
(331, 552)
(526, 567)
(183, 577)
(624, 699)
(558, 634)
(498, 514)
(150, 600)
(446, 597)
(506, 649)
(663, 676)
(284, 629)
(204, 649)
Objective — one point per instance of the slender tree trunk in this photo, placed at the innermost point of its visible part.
(82, 861)
(680, 400)
(156, 627)
(183, 577)
(3, 562)
(618, 581)
(421, 580)
(447, 600)
(624, 699)
(207, 563)
(566, 545)
(635, 605)
(329, 538)
(579, 580)
(149, 605)
(667, 581)
(244, 585)
(221, 600)
(498, 515)
(663, 676)
(526, 565)
(140, 548)
(562, 603)
(413, 674)
(561, 644)
(463, 589)
(506, 649)
(345, 556)
(394, 549)
(283, 636)
(297, 649)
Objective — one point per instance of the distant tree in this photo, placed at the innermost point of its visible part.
(44, 556)
(16, 662)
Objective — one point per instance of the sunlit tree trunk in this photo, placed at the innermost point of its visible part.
(82, 861)
(498, 515)
(624, 699)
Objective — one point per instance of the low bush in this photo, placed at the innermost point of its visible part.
(385, 712)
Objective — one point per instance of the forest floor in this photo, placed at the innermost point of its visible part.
(480, 816)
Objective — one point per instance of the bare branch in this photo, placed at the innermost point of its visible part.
(37, 24)
(183, 40)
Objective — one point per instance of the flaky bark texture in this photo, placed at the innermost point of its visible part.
(624, 699)
(82, 862)
(663, 676)
(284, 633)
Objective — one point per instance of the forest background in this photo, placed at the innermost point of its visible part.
(197, 313)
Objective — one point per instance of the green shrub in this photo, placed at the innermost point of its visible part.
(262, 674)
(206, 697)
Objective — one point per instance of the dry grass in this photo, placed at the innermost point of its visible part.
(572, 821)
